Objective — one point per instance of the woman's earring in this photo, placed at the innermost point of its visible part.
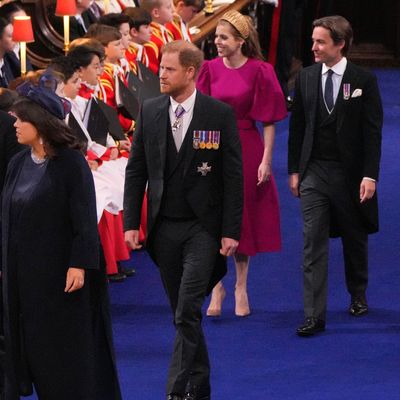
(40, 141)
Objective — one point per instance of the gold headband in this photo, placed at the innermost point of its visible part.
(238, 21)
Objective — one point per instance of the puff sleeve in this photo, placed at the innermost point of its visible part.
(203, 79)
(269, 103)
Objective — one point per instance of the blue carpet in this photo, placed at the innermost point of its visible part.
(260, 357)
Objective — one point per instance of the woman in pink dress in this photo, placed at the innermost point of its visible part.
(240, 78)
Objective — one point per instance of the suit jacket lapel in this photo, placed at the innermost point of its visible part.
(161, 123)
(350, 77)
(313, 79)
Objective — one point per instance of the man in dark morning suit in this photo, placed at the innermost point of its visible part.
(334, 155)
(187, 148)
(79, 24)
(8, 147)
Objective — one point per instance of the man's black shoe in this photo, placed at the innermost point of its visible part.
(116, 277)
(311, 326)
(358, 306)
(174, 397)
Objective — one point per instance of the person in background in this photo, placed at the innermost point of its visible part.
(113, 75)
(79, 24)
(87, 57)
(6, 47)
(334, 152)
(9, 11)
(140, 32)
(241, 78)
(184, 12)
(57, 324)
(161, 14)
(115, 6)
(121, 22)
(7, 99)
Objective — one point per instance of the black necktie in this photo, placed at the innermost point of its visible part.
(328, 94)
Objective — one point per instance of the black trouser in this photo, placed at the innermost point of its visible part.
(185, 254)
(324, 193)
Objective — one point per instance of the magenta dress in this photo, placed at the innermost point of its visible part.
(254, 93)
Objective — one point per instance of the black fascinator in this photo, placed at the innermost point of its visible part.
(45, 95)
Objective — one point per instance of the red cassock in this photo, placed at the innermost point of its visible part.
(160, 35)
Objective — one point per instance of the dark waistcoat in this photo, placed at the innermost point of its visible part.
(174, 204)
(325, 146)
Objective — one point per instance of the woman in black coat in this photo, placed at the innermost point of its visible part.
(56, 325)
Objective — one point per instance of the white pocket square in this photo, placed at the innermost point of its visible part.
(357, 93)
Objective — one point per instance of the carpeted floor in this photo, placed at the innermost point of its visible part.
(260, 357)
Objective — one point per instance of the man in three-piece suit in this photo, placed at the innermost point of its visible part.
(187, 148)
(334, 155)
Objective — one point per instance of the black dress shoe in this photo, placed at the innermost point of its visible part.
(195, 392)
(174, 397)
(358, 306)
(126, 271)
(311, 326)
(116, 277)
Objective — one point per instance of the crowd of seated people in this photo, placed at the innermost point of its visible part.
(100, 76)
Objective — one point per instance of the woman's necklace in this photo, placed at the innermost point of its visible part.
(36, 159)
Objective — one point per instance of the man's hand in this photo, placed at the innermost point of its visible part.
(75, 279)
(294, 184)
(367, 190)
(132, 239)
(228, 246)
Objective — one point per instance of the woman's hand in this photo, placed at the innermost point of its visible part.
(264, 172)
(75, 279)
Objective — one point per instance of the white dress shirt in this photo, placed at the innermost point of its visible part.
(188, 105)
(337, 76)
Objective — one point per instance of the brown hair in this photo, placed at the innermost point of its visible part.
(339, 28)
(150, 5)
(194, 3)
(251, 47)
(53, 131)
(7, 98)
(137, 17)
(103, 33)
(32, 76)
(189, 54)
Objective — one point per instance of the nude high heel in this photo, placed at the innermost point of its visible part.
(242, 308)
(217, 297)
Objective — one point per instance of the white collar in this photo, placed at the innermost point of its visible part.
(187, 104)
(338, 68)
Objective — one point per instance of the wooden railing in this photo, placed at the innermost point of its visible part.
(207, 23)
